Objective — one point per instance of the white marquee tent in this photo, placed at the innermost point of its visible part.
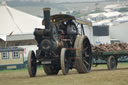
(13, 21)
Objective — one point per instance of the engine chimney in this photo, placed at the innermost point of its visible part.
(47, 17)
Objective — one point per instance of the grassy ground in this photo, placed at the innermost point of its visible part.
(98, 76)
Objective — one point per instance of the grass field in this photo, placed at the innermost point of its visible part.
(98, 76)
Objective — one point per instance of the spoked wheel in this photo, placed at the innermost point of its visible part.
(50, 69)
(84, 62)
(111, 63)
(64, 62)
(32, 66)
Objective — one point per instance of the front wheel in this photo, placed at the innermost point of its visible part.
(64, 62)
(32, 66)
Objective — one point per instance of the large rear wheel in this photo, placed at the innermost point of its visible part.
(84, 60)
(32, 66)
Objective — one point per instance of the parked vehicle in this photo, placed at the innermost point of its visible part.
(11, 58)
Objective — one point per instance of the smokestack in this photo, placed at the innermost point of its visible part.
(47, 17)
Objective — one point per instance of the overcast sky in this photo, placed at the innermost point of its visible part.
(54, 0)
(73, 0)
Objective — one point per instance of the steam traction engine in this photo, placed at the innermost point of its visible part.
(61, 45)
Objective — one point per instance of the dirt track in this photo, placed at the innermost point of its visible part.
(98, 76)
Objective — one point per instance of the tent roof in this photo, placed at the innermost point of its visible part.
(111, 14)
(112, 6)
(105, 14)
(17, 22)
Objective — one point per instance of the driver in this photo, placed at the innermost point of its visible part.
(63, 26)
